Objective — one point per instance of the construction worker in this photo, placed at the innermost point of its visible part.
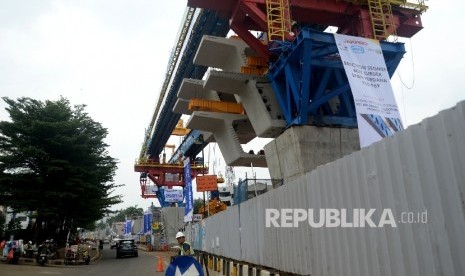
(186, 249)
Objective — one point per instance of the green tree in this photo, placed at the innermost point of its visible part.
(100, 225)
(13, 225)
(2, 224)
(127, 213)
(54, 161)
(198, 203)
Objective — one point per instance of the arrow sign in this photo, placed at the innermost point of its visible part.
(184, 266)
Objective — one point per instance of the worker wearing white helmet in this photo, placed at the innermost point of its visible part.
(186, 249)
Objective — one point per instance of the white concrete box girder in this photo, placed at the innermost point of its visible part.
(256, 96)
(220, 52)
(223, 128)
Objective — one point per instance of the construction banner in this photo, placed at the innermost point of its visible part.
(172, 195)
(128, 227)
(188, 194)
(147, 222)
(376, 107)
(207, 183)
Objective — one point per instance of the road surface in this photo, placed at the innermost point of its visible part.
(108, 265)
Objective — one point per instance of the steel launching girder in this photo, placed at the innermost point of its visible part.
(350, 18)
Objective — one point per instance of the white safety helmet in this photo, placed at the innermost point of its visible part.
(180, 235)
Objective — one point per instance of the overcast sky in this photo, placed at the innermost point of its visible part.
(112, 54)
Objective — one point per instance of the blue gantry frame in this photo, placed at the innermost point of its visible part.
(310, 83)
(189, 146)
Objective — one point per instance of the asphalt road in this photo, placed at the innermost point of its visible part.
(108, 265)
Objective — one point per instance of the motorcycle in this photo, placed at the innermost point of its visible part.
(13, 256)
(13, 252)
(86, 257)
(42, 255)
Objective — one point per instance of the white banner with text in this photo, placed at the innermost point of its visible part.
(376, 107)
(172, 195)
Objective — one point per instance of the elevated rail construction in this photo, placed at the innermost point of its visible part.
(243, 69)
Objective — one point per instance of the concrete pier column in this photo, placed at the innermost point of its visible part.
(301, 149)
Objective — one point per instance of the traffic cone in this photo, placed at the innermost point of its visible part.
(160, 265)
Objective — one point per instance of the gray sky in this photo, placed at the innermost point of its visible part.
(112, 54)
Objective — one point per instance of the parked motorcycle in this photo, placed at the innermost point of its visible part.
(12, 251)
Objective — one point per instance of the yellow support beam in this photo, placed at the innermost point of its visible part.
(255, 66)
(180, 130)
(416, 5)
(215, 106)
(258, 71)
(170, 146)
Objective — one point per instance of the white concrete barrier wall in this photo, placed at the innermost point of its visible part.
(420, 169)
(222, 234)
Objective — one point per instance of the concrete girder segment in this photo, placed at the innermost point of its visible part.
(236, 126)
(190, 89)
(255, 93)
(256, 96)
(226, 128)
(220, 52)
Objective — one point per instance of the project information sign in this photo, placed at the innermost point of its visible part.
(172, 195)
(207, 183)
(376, 107)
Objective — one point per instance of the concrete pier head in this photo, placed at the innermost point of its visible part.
(301, 149)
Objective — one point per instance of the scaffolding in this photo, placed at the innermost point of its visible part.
(382, 20)
(278, 19)
(381, 16)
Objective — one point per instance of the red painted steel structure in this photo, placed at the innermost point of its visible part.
(157, 173)
(351, 19)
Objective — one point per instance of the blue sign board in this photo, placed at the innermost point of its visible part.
(128, 227)
(188, 195)
(147, 223)
(184, 265)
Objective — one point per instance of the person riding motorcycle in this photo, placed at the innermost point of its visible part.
(29, 250)
(43, 253)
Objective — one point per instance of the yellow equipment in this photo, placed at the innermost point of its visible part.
(180, 130)
(213, 206)
(278, 19)
(215, 106)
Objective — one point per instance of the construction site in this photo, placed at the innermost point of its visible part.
(350, 191)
